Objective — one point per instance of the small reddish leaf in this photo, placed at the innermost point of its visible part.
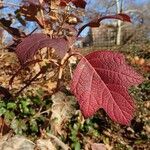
(96, 21)
(64, 2)
(77, 3)
(96, 89)
(30, 45)
(122, 17)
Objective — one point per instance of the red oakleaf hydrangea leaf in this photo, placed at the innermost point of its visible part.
(96, 21)
(112, 68)
(30, 45)
(77, 3)
(97, 84)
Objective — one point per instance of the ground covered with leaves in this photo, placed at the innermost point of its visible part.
(40, 119)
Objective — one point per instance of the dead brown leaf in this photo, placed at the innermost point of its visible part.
(62, 110)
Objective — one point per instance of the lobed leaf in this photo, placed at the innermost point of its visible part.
(112, 68)
(30, 45)
(101, 80)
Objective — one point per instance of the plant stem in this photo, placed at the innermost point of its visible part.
(41, 113)
(21, 68)
(42, 16)
(65, 58)
(63, 62)
(43, 70)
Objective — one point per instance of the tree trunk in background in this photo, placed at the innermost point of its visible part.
(119, 10)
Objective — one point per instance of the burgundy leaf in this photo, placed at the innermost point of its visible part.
(94, 92)
(122, 17)
(77, 3)
(112, 68)
(64, 2)
(30, 45)
(96, 21)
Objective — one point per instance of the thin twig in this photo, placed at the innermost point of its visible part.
(42, 16)
(65, 58)
(29, 83)
(63, 62)
(41, 113)
(20, 69)
(32, 31)
(43, 70)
